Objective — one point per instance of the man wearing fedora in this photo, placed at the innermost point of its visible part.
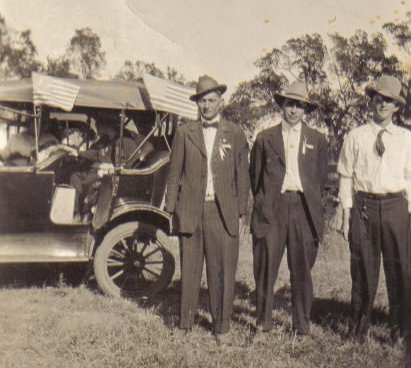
(288, 170)
(207, 191)
(375, 194)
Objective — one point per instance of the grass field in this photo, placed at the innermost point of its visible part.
(57, 325)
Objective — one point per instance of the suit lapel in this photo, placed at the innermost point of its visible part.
(306, 139)
(301, 148)
(222, 135)
(304, 163)
(197, 137)
(277, 143)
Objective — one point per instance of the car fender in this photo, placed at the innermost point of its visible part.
(128, 209)
(126, 206)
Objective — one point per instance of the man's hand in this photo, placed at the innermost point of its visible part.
(242, 221)
(172, 224)
(71, 151)
(345, 226)
(104, 169)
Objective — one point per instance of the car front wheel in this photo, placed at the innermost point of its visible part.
(133, 261)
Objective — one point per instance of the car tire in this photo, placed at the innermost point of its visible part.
(132, 261)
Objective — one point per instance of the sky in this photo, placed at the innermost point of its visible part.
(221, 38)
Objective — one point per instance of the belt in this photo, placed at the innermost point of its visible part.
(210, 198)
(292, 192)
(378, 196)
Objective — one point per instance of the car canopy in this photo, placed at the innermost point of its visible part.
(149, 93)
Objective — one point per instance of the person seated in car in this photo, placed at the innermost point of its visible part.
(103, 154)
(75, 134)
(20, 148)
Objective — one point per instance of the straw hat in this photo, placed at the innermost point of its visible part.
(205, 85)
(296, 91)
(387, 86)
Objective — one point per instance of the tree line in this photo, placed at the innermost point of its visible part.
(83, 58)
(335, 69)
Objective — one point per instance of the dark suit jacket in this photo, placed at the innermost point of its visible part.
(267, 171)
(187, 178)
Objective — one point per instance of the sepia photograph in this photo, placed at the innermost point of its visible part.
(205, 184)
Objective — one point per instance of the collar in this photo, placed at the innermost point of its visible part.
(286, 127)
(215, 119)
(377, 127)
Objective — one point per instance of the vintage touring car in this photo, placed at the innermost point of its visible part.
(127, 239)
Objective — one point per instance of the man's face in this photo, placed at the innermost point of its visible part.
(105, 129)
(293, 111)
(75, 138)
(210, 105)
(383, 108)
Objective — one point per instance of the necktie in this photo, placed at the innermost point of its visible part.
(379, 144)
(210, 125)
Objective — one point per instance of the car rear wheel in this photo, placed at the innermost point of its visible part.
(133, 261)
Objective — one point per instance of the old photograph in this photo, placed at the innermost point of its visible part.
(205, 184)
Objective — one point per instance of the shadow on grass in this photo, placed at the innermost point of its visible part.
(167, 305)
(335, 316)
(331, 314)
(39, 275)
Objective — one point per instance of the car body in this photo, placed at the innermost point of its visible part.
(127, 240)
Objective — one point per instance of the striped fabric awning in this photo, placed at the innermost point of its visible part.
(54, 92)
(167, 126)
(171, 97)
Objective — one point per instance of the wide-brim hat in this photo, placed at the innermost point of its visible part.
(296, 91)
(387, 86)
(206, 85)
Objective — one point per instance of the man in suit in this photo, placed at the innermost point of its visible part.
(207, 191)
(288, 171)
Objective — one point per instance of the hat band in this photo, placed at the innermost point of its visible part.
(295, 95)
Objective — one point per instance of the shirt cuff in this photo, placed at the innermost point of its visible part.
(408, 194)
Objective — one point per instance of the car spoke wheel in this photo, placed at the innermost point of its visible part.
(133, 261)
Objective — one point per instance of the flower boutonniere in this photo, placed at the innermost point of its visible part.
(223, 147)
(306, 145)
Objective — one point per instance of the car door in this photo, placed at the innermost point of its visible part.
(24, 199)
(26, 232)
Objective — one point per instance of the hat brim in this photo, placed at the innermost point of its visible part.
(370, 90)
(279, 98)
(221, 88)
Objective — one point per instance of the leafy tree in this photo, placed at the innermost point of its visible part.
(401, 33)
(304, 58)
(175, 76)
(134, 71)
(301, 58)
(354, 62)
(85, 53)
(18, 54)
(59, 67)
(4, 39)
(335, 78)
(402, 36)
(22, 57)
(253, 100)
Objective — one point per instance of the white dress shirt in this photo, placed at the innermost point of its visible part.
(362, 169)
(291, 138)
(209, 138)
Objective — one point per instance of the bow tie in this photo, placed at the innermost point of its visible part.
(206, 124)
